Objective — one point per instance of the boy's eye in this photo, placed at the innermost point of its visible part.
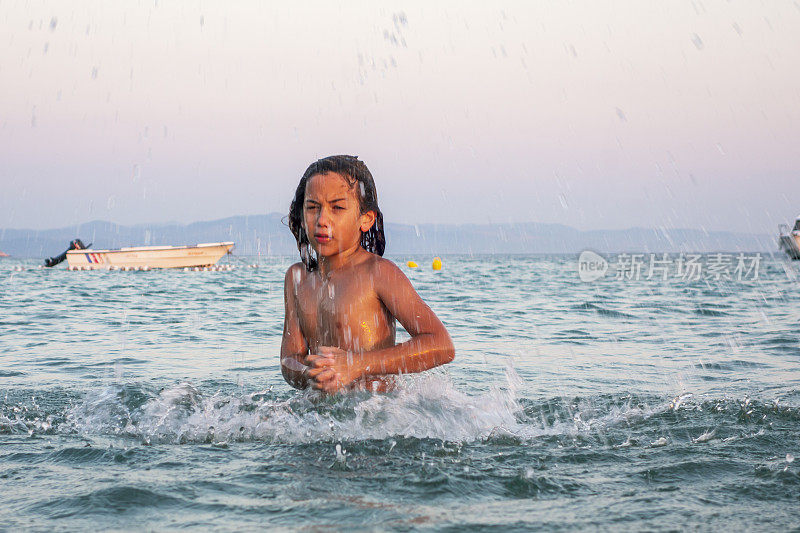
(338, 207)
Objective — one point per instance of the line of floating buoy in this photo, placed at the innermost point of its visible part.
(215, 268)
(436, 265)
(147, 268)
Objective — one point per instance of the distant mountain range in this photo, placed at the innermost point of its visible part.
(268, 235)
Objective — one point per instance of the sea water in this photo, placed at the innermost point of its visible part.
(154, 400)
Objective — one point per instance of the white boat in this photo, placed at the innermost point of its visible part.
(789, 241)
(147, 257)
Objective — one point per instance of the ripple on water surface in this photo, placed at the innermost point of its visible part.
(630, 405)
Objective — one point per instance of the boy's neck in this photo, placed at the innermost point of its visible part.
(332, 263)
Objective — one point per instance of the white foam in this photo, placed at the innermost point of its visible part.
(424, 406)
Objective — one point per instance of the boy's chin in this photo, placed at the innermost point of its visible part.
(330, 249)
(325, 251)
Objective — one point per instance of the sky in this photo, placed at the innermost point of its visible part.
(597, 114)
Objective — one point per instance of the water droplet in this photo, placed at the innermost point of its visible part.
(659, 442)
(573, 51)
(697, 41)
(341, 455)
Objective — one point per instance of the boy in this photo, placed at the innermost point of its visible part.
(343, 298)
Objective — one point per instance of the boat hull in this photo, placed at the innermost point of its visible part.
(147, 257)
(791, 245)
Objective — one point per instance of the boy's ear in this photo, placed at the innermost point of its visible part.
(367, 220)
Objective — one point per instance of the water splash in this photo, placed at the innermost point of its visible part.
(423, 407)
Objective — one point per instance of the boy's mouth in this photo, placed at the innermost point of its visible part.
(322, 238)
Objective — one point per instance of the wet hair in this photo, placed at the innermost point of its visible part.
(356, 173)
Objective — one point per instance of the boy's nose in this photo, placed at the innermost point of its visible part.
(324, 218)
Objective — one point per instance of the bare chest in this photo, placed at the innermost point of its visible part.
(344, 313)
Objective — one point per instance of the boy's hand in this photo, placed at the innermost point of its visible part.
(329, 369)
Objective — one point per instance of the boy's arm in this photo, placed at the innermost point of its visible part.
(430, 344)
(293, 346)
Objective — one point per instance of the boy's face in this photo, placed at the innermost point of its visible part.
(332, 214)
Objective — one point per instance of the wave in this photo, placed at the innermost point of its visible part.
(600, 310)
(734, 365)
(119, 499)
(424, 407)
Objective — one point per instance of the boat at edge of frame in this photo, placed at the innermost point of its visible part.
(789, 241)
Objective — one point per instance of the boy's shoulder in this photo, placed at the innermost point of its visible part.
(384, 269)
(297, 266)
(296, 272)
